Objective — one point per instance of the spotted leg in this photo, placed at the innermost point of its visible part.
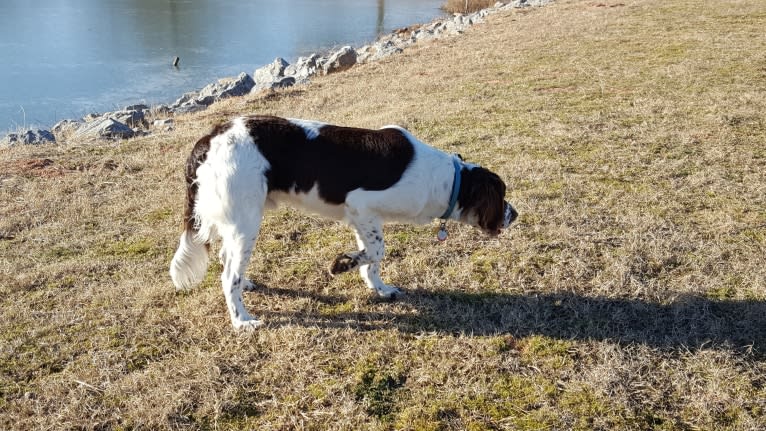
(238, 244)
(247, 284)
(369, 238)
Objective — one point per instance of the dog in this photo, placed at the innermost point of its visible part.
(362, 176)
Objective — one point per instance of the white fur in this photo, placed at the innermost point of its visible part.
(310, 127)
(189, 262)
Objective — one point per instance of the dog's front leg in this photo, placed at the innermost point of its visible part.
(369, 238)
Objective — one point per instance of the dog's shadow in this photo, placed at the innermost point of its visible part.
(691, 322)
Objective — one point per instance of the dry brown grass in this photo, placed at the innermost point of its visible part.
(466, 6)
(631, 294)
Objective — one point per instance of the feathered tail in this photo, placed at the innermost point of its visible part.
(190, 261)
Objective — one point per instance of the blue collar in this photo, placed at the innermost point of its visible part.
(455, 188)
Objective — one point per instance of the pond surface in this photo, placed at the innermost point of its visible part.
(64, 59)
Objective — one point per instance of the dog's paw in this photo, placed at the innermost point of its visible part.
(343, 263)
(249, 286)
(247, 325)
(388, 292)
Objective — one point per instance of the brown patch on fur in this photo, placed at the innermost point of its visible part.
(339, 159)
(482, 192)
(195, 159)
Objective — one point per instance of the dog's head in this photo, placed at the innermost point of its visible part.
(481, 199)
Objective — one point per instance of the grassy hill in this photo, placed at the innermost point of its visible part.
(630, 295)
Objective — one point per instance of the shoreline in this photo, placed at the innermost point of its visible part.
(141, 119)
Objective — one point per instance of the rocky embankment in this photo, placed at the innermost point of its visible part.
(138, 120)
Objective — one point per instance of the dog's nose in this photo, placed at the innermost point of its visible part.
(510, 215)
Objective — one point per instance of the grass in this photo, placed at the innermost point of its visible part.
(630, 294)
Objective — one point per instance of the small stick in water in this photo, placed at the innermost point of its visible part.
(175, 61)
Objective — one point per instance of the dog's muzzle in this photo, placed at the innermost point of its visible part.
(509, 215)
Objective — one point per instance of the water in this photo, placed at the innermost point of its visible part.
(64, 59)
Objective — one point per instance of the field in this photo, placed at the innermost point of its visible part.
(630, 294)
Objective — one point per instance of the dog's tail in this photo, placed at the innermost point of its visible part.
(190, 261)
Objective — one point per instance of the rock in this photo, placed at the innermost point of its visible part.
(364, 54)
(139, 107)
(104, 128)
(271, 72)
(526, 3)
(274, 75)
(131, 118)
(29, 137)
(287, 81)
(165, 122)
(452, 27)
(304, 68)
(340, 60)
(186, 98)
(66, 126)
(91, 117)
(384, 49)
(434, 27)
(421, 34)
(188, 107)
(186, 104)
(159, 110)
(224, 88)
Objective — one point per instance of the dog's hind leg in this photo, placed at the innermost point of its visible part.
(369, 238)
(238, 242)
(247, 284)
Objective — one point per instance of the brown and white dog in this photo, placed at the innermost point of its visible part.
(365, 177)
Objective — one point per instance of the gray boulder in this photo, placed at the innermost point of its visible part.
(138, 107)
(188, 107)
(104, 128)
(304, 68)
(164, 122)
(283, 82)
(132, 118)
(159, 110)
(421, 34)
(287, 81)
(364, 54)
(186, 104)
(384, 49)
(526, 3)
(91, 117)
(224, 88)
(66, 126)
(265, 75)
(29, 137)
(185, 99)
(340, 60)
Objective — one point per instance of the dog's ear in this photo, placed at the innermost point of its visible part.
(484, 195)
(490, 191)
